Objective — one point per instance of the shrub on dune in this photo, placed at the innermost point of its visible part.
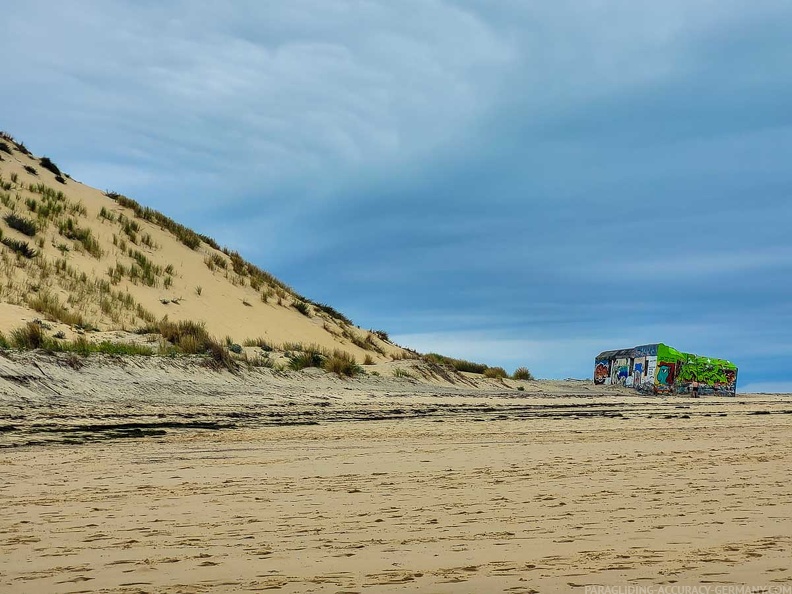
(342, 364)
(306, 358)
(522, 373)
(28, 337)
(20, 247)
(495, 373)
(21, 224)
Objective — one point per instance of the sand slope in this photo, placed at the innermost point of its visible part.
(118, 266)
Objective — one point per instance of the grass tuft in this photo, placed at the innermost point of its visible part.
(522, 373)
(28, 337)
(302, 307)
(458, 364)
(20, 247)
(495, 373)
(49, 305)
(47, 164)
(192, 338)
(342, 364)
(332, 312)
(310, 357)
(70, 230)
(21, 224)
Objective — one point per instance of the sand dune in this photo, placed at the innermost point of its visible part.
(110, 264)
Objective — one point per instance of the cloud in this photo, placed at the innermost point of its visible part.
(520, 182)
(261, 95)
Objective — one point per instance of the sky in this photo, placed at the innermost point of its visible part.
(511, 182)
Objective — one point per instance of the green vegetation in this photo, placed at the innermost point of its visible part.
(215, 260)
(262, 343)
(144, 269)
(330, 311)
(70, 230)
(53, 204)
(399, 372)
(458, 364)
(187, 236)
(32, 336)
(21, 224)
(367, 343)
(49, 305)
(522, 373)
(20, 247)
(310, 357)
(495, 373)
(47, 164)
(85, 348)
(192, 338)
(342, 364)
(22, 148)
(337, 361)
(209, 241)
(30, 170)
(302, 307)
(129, 227)
(107, 215)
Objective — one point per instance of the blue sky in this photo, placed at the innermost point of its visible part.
(519, 183)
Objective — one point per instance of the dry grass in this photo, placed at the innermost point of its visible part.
(49, 305)
(342, 364)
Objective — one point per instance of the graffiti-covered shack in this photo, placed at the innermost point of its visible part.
(659, 368)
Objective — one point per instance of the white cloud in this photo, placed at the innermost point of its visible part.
(313, 91)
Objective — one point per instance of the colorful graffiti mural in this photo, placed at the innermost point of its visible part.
(659, 368)
(601, 371)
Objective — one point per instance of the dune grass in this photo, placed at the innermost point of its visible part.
(192, 338)
(522, 373)
(302, 307)
(495, 373)
(47, 164)
(21, 224)
(49, 305)
(32, 337)
(307, 358)
(458, 364)
(20, 247)
(342, 364)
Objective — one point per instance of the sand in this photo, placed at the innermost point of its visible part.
(397, 487)
(203, 285)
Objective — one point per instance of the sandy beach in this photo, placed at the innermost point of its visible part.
(434, 490)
